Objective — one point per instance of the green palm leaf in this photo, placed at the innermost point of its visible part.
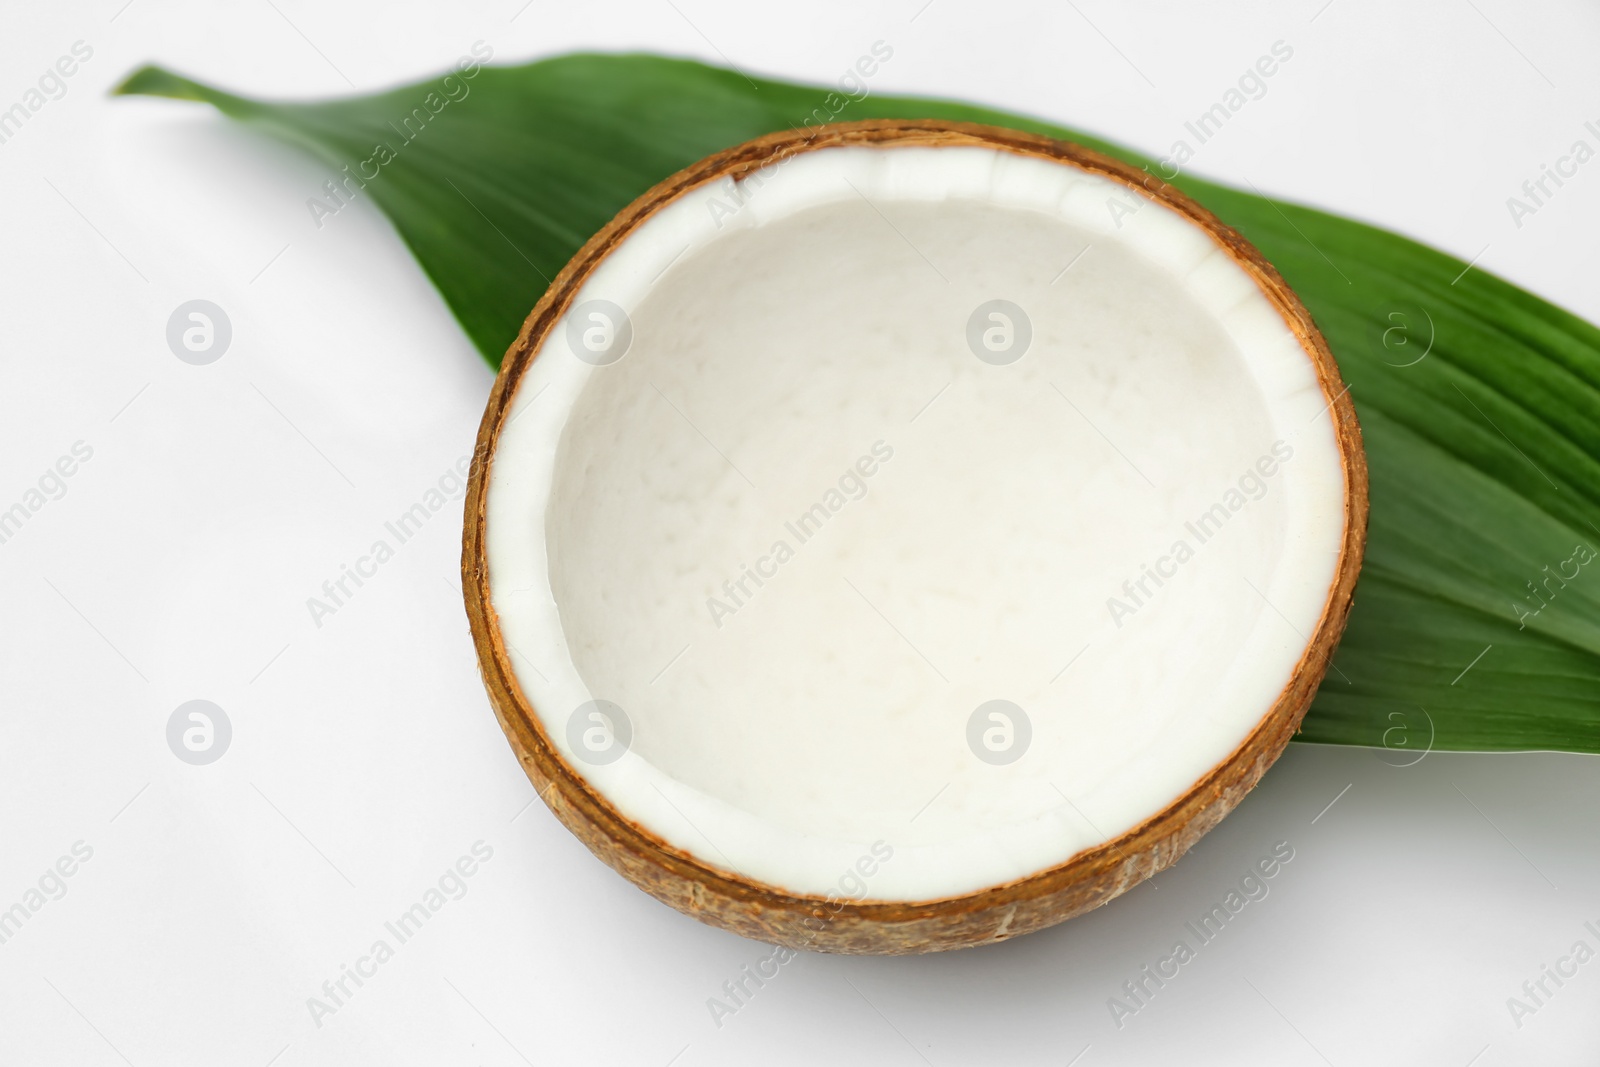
(1480, 402)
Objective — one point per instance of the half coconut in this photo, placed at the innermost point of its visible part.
(902, 536)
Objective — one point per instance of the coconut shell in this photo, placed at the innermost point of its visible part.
(1094, 876)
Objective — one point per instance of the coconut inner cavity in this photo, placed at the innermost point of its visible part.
(941, 506)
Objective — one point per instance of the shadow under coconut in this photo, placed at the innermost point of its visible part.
(1344, 879)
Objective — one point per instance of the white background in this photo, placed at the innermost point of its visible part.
(365, 759)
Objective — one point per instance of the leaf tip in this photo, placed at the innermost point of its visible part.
(150, 80)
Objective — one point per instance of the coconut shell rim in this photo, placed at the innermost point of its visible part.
(1082, 881)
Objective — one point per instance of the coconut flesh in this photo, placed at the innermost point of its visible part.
(821, 464)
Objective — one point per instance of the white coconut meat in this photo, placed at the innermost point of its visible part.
(832, 500)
